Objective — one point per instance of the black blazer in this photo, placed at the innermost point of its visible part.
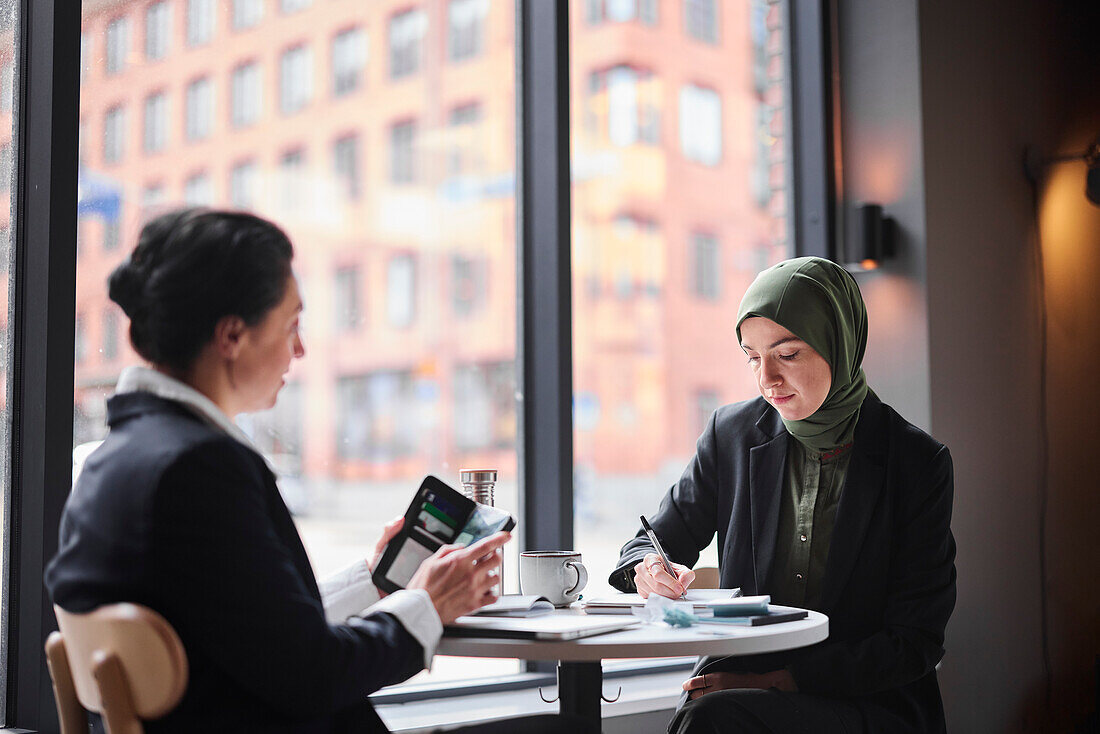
(889, 583)
(174, 514)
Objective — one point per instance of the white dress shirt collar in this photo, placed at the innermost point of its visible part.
(143, 379)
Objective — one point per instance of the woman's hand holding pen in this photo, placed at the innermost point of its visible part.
(651, 578)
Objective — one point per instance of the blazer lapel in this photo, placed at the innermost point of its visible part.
(766, 464)
(862, 487)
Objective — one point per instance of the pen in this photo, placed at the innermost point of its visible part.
(660, 551)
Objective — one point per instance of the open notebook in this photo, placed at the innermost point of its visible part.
(516, 605)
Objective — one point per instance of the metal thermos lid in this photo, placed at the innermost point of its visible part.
(478, 476)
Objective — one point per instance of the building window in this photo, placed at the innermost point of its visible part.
(6, 168)
(80, 346)
(293, 6)
(158, 30)
(349, 59)
(152, 198)
(198, 191)
(701, 125)
(371, 411)
(701, 19)
(295, 79)
(118, 45)
(155, 129)
(485, 406)
(706, 402)
(247, 14)
(200, 22)
(345, 165)
(199, 109)
(246, 95)
(348, 314)
(292, 167)
(243, 181)
(463, 156)
(401, 291)
(278, 434)
(403, 153)
(630, 100)
(466, 28)
(114, 134)
(706, 263)
(85, 55)
(7, 86)
(632, 262)
(110, 335)
(620, 11)
(468, 285)
(111, 234)
(406, 36)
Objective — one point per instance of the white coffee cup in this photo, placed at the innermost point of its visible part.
(557, 575)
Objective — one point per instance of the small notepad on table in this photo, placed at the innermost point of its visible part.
(516, 605)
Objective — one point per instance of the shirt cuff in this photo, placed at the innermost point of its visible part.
(347, 593)
(413, 608)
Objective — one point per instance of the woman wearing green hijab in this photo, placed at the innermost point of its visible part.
(825, 498)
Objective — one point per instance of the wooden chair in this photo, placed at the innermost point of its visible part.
(706, 577)
(122, 661)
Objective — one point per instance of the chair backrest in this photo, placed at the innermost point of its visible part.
(706, 577)
(123, 661)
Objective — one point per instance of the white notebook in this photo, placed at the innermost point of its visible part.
(550, 627)
(516, 605)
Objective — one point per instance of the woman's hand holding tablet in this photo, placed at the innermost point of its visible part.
(460, 580)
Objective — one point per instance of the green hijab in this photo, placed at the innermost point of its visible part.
(819, 302)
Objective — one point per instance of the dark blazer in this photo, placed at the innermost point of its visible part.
(889, 583)
(174, 514)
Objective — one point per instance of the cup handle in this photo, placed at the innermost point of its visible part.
(582, 577)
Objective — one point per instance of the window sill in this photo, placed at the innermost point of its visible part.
(652, 692)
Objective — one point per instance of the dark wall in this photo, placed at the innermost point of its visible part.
(939, 102)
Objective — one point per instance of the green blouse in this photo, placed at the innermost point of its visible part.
(807, 513)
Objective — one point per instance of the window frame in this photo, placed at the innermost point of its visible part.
(295, 65)
(158, 30)
(154, 122)
(246, 82)
(117, 39)
(348, 76)
(43, 316)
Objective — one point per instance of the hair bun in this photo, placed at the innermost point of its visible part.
(126, 287)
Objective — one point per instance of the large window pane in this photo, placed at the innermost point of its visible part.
(9, 66)
(395, 183)
(670, 224)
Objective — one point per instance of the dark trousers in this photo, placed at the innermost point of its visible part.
(753, 711)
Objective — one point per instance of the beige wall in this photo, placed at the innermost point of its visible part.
(1070, 228)
(960, 344)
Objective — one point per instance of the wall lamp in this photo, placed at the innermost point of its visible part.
(1034, 166)
(868, 238)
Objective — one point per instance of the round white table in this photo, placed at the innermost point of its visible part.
(580, 677)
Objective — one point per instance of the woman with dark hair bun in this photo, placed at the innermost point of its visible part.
(177, 511)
